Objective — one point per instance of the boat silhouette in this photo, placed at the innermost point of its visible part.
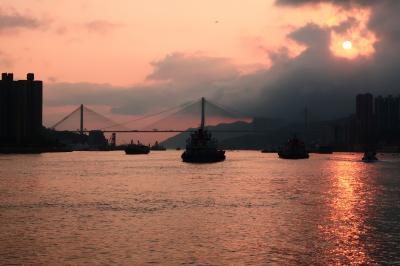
(201, 147)
(294, 149)
(369, 156)
(157, 147)
(137, 148)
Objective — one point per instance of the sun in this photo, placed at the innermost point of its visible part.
(347, 45)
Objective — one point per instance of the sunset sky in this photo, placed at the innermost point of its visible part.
(128, 57)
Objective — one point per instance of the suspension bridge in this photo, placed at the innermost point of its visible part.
(173, 120)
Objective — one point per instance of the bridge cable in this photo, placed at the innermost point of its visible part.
(148, 116)
(102, 117)
(184, 107)
(65, 118)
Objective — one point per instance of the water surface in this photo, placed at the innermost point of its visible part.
(253, 209)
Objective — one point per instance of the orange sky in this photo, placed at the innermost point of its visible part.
(102, 41)
(115, 42)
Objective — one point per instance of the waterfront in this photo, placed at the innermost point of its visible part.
(252, 209)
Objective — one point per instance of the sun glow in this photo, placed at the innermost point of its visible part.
(347, 45)
(356, 40)
(359, 46)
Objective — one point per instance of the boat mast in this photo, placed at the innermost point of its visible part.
(202, 113)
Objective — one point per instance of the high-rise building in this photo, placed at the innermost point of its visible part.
(20, 110)
(365, 119)
(387, 116)
(393, 104)
(381, 113)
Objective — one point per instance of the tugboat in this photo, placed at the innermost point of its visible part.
(201, 147)
(369, 156)
(294, 149)
(137, 148)
(157, 147)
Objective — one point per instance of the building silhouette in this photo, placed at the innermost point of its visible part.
(365, 118)
(387, 116)
(375, 124)
(377, 120)
(20, 110)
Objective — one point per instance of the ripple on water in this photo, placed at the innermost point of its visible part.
(107, 208)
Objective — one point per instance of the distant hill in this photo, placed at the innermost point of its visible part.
(235, 140)
(271, 134)
(179, 141)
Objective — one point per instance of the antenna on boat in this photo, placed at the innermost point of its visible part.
(203, 101)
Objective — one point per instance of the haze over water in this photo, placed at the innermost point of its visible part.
(109, 208)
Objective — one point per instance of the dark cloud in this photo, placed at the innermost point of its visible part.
(62, 93)
(334, 2)
(346, 25)
(123, 100)
(326, 84)
(316, 79)
(14, 20)
(180, 68)
(11, 21)
(179, 78)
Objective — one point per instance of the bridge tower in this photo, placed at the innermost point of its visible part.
(203, 102)
(81, 120)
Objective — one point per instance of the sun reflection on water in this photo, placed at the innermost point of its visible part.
(86, 208)
(346, 225)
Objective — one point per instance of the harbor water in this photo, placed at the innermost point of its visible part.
(98, 208)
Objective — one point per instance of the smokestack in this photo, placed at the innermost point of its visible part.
(30, 76)
(3, 76)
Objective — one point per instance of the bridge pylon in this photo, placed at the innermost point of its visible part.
(81, 120)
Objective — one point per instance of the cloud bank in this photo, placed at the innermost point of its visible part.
(318, 79)
(14, 20)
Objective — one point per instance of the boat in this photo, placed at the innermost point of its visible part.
(294, 149)
(137, 148)
(201, 147)
(157, 147)
(369, 156)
